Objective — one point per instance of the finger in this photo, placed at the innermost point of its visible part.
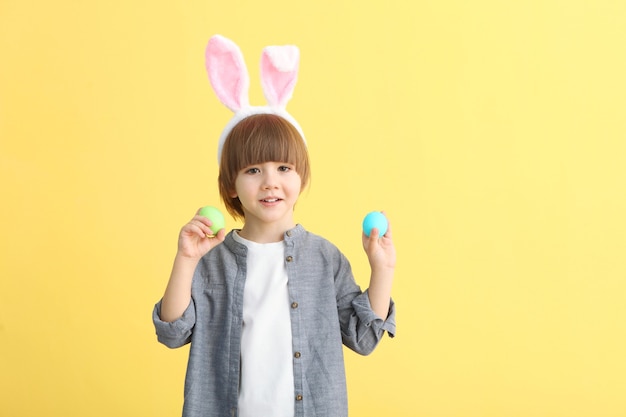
(198, 228)
(221, 234)
(204, 220)
(208, 233)
(370, 242)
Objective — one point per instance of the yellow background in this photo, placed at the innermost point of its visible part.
(492, 132)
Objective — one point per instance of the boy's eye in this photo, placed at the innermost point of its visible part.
(253, 171)
(284, 168)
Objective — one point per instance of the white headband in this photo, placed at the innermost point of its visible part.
(229, 78)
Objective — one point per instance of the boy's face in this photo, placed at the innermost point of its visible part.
(268, 193)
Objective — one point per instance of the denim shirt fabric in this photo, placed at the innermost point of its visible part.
(327, 309)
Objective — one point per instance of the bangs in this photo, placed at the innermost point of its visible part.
(266, 138)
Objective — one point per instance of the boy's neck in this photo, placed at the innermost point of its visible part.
(264, 233)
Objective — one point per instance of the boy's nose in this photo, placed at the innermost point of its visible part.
(269, 181)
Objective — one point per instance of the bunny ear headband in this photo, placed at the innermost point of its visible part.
(229, 77)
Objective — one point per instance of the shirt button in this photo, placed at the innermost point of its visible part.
(289, 233)
(298, 397)
(296, 355)
(289, 258)
(294, 305)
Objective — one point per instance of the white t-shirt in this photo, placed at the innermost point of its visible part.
(267, 386)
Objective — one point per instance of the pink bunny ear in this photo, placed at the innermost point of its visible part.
(279, 72)
(227, 72)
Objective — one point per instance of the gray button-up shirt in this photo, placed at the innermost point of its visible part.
(327, 308)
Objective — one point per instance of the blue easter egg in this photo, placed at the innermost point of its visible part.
(377, 220)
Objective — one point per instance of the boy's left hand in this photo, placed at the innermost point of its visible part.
(380, 251)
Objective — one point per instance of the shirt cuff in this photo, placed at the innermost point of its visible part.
(178, 332)
(368, 318)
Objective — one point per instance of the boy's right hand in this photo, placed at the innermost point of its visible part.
(196, 238)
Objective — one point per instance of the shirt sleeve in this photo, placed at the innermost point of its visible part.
(361, 328)
(178, 332)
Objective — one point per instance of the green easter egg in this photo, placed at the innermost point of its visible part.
(216, 217)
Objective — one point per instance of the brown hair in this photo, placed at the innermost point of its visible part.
(257, 139)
